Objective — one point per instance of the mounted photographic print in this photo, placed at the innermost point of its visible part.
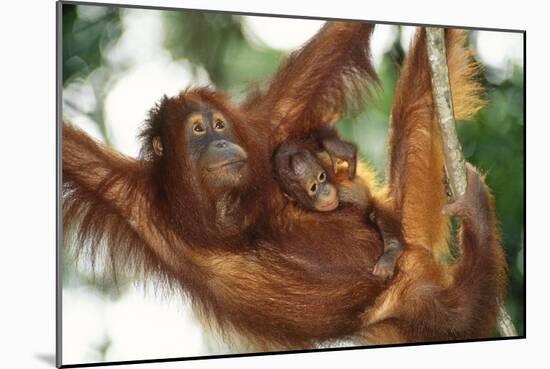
(234, 184)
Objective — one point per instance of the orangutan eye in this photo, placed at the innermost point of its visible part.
(219, 125)
(198, 128)
(322, 177)
(313, 189)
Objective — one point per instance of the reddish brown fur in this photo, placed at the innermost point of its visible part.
(323, 80)
(288, 278)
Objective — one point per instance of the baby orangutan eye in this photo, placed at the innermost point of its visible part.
(313, 189)
(322, 177)
(219, 125)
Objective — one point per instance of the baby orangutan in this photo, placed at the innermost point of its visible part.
(315, 185)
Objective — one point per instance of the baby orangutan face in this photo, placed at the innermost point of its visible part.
(306, 181)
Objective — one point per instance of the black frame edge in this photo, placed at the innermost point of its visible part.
(58, 187)
(291, 16)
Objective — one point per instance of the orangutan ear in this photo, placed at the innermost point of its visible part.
(157, 146)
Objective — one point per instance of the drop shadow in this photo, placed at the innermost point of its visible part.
(46, 358)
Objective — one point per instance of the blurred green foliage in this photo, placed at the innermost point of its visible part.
(494, 141)
(86, 36)
(217, 43)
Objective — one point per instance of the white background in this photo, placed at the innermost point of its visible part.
(27, 183)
